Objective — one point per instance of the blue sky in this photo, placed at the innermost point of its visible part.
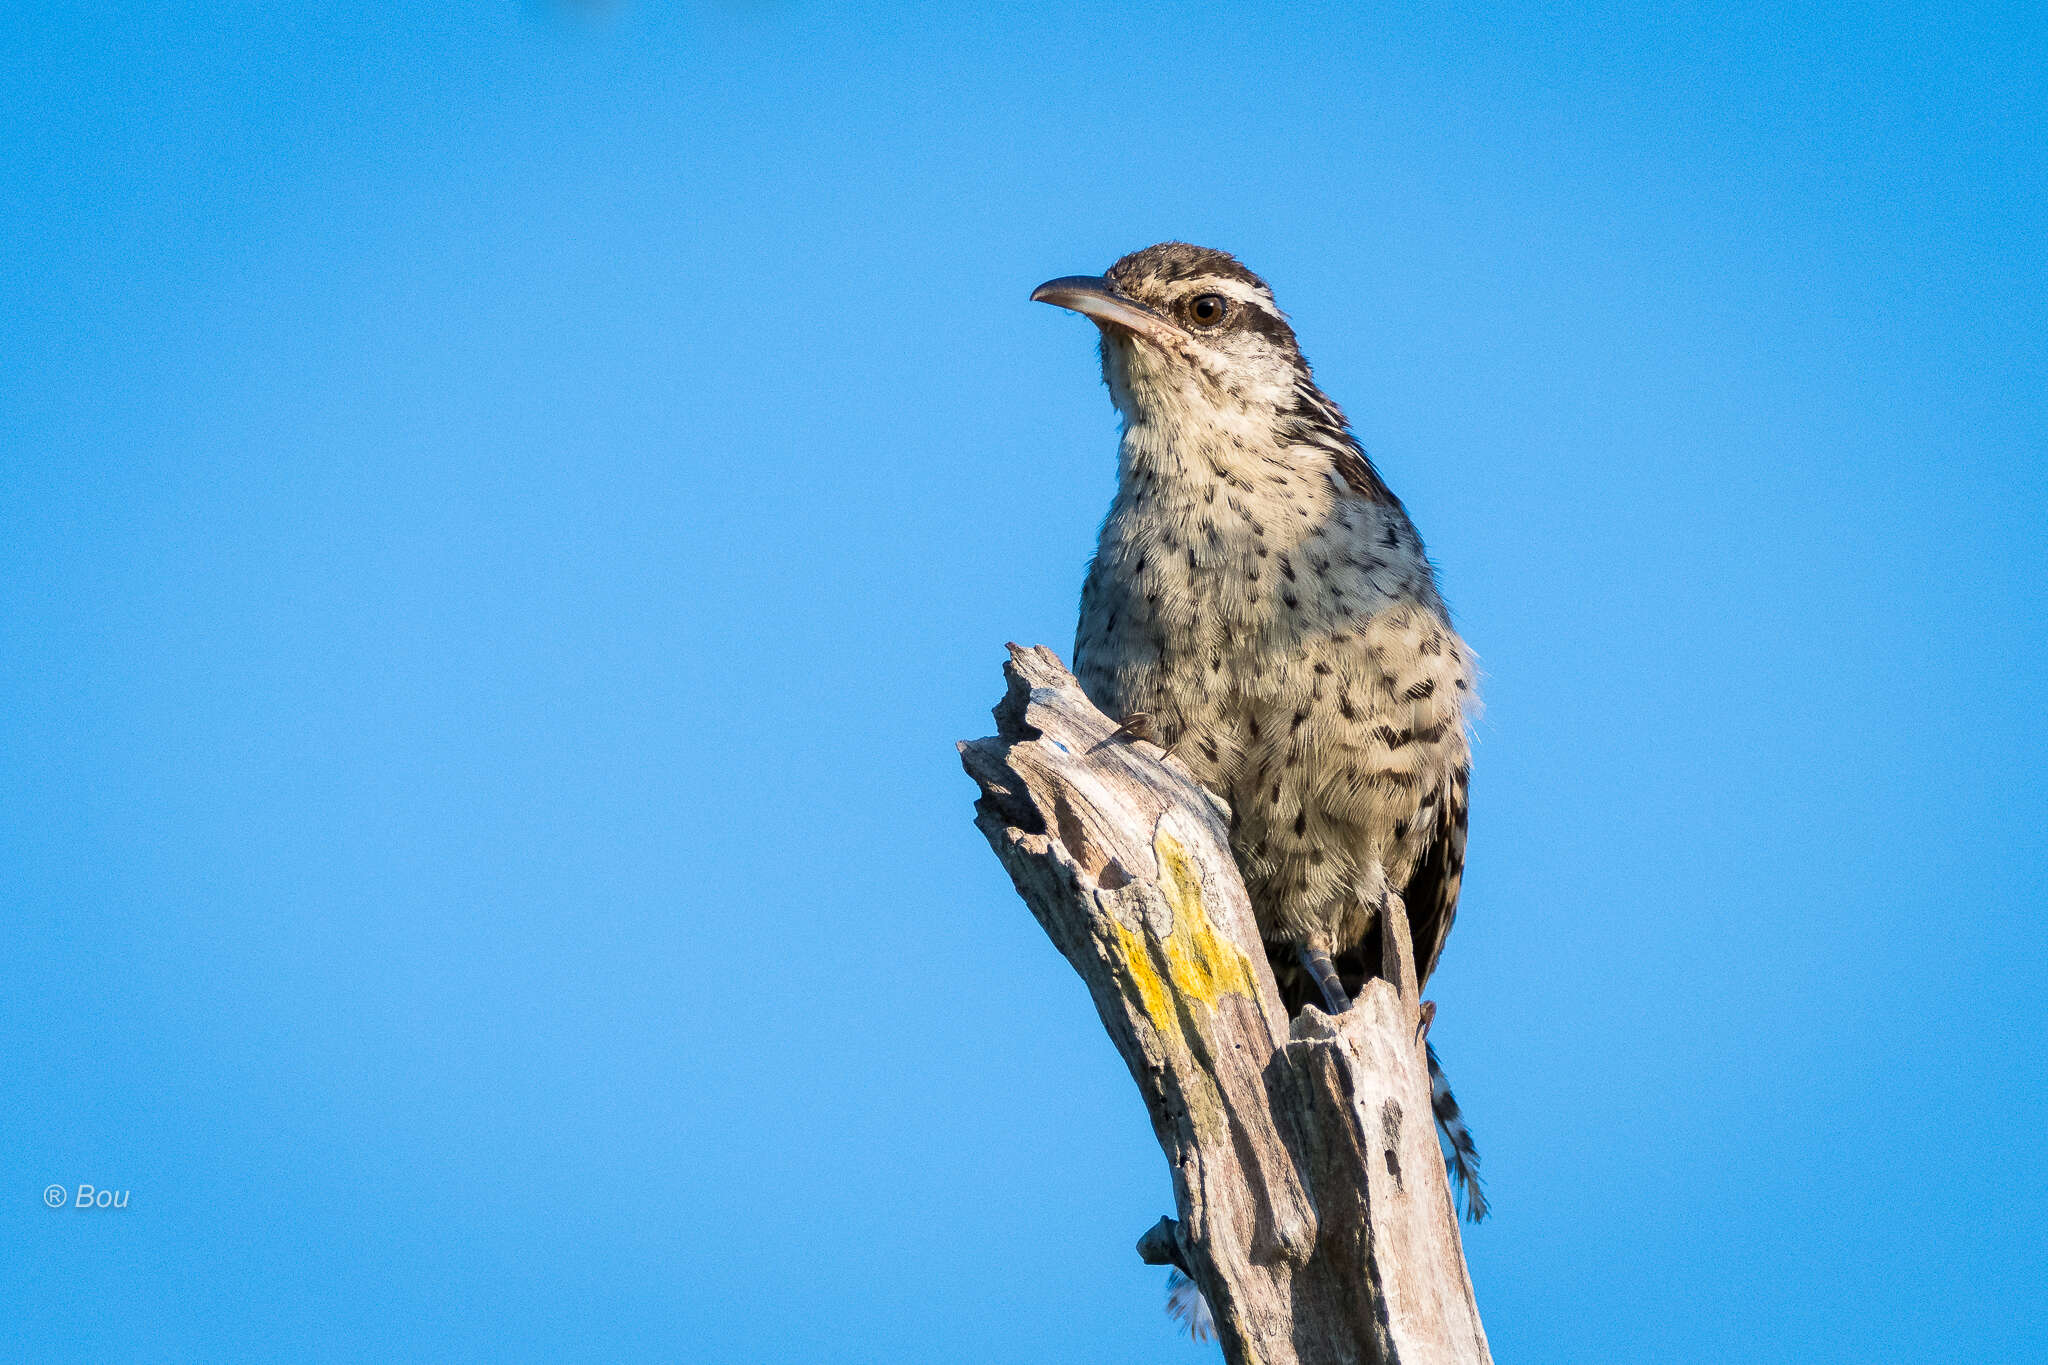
(506, 510)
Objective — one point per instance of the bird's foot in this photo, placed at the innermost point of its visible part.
(1137, 725)
(1325, 972)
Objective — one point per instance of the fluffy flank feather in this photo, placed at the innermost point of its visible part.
(1186, 1306)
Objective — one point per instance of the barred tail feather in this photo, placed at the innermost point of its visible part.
(1186, 1306)
(1461, 1154)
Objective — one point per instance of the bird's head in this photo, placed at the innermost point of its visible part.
(1185, 329)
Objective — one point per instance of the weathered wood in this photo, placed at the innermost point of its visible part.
(1314, 1210)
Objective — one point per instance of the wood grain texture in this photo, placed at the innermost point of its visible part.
(1313, 1208)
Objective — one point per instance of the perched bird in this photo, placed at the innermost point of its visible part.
(1261, 606)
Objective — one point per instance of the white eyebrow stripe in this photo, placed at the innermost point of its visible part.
(1235, 290)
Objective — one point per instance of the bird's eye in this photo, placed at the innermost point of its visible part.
(1206, 310)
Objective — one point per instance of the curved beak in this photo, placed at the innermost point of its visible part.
(1095, 298)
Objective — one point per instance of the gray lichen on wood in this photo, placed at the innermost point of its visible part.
(1314, 1212)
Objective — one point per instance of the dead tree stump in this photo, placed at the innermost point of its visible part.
(1314, 1211)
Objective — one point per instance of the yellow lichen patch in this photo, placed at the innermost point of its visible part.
(1204, 964)
(1152, 993)
(1201, 964)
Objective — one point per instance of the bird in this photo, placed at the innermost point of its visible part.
(1260, 605)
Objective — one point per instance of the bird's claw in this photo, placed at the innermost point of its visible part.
(1137, 725)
